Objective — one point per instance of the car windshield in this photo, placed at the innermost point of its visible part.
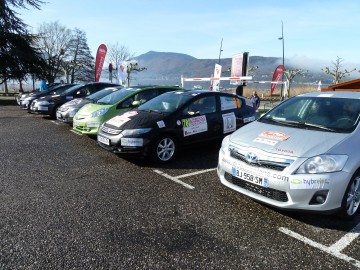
(321, 113)
(71, 90)
(102, 93)
(166, 103)
(116, 96)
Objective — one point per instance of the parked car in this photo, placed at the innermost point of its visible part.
(22, 95)
(301, 155)
(66, 112)
(88, 119)
(48, 105)
(159, 127)
(57, 89)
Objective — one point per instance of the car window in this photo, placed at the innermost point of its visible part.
(146, 95)
(126, 103)
(202, 105)
(168, 102)
(335, 114)
(115, 96)
(229, 103)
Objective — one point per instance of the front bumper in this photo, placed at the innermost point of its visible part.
(282, 189)
(88, 126)
(119, 144)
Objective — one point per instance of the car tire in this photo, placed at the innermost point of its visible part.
(53, 113)
(164, 149)
(351, 201)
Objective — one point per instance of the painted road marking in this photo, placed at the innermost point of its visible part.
(176, 178)
(76, 132)
(335, 249)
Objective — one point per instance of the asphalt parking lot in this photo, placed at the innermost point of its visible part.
(65, 203)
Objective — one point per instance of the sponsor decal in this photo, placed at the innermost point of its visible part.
(315, 182)
(267, 175)
(194, 125)
(132, 142)
(265, 141)
(274, 135)
(229, 122)
(160, 124)
(284, 150)
(119, 120)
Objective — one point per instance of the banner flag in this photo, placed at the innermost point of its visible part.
(99, 62)
(216, 78)
(276, 77)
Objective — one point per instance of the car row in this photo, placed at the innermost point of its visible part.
(300, 155)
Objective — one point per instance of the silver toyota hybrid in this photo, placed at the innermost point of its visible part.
(302, 155)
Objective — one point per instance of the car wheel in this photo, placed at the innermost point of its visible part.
(351, 200)
(164, 149)
(53, 114)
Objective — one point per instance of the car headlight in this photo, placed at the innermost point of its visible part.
(44, 103)
(225, 144)
(323, 164)
(99, 112)
(29, 98)
(130, 132)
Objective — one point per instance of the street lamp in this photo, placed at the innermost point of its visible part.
(283, 54)
(220, 50)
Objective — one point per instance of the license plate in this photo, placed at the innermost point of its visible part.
(76, 123)
(103, 140)
(250, 177)
(42, 108)
(58, 115)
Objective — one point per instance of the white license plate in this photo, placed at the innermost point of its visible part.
(58, 115)
(257, 180)
(103, 140)
(42, 108)
(76, 123)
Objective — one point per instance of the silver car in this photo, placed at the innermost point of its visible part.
(301, 155)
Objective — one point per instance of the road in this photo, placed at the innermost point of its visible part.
(68, 204)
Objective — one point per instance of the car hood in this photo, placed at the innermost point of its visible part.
(135, 119)
(289, 141)
(76, 103)
(90, 108)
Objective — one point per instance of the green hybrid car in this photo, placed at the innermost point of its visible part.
(89, 118)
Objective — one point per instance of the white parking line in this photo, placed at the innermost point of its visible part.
(174, 179)
(335, 249)
(77, 133)
(195, 173)
(55, 122)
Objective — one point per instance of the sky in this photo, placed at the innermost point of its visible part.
(315, 32)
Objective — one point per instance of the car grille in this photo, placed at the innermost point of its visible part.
(110, 130)
(260, 163)
(270, 193)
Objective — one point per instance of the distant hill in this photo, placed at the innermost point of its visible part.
(168, 67)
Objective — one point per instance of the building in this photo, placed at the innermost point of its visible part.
(352, 86)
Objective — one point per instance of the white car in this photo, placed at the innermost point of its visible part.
(301, 155)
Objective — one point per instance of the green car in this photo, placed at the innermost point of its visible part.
(89, 118)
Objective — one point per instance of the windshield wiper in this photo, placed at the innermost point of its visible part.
(300, 124)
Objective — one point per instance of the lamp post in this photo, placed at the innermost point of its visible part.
(220, 50)
(283, 55)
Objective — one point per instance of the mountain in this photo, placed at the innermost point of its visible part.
(168, 67)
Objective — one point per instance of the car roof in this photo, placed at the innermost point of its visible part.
(333, 94)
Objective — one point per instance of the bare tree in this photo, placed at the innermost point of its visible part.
(335, 70)
(117, 54)
(54, 41)
(290, 75)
